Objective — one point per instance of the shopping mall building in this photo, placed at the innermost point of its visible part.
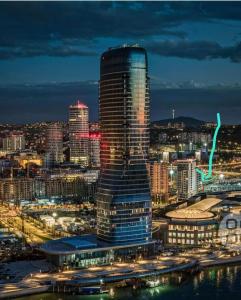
(199, 223)
(194, 225)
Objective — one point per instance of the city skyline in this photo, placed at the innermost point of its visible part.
(120, 157)
(193, 49)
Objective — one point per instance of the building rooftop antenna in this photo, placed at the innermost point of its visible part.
(173, 114)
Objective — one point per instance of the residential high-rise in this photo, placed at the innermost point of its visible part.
(15, 190)
(81, 186)
(123, 199)
(94, 145)
(54, 149)
(186, 179)
(94, 149)
(79, 133)
(158, 173)
(14, 142)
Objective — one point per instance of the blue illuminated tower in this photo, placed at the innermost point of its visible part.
(123, 200)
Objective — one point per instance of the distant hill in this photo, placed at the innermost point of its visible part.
(188, 121)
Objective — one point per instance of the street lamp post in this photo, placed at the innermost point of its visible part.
(221, 176)
(54, 216)
(171, 173)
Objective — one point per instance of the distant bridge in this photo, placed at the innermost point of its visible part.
(224, 186)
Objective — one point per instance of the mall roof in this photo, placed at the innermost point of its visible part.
(197, 211)
(206, 204)
(192, 214)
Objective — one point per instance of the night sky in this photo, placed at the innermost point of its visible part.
(49, 56)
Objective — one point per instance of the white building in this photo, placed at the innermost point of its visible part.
(187, 185)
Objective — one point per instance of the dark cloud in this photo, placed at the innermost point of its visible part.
(199, 50)
(81, 24)
(29, 21)
(37, 50)
(29, 103)
(49, 102)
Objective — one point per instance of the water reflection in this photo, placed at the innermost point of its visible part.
(217, 283)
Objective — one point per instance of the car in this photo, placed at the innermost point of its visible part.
(169, 253)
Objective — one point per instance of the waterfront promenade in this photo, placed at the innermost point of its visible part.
(212, 262)
(95, 275)
(41, 282)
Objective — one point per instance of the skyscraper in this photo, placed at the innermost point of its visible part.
(94, 149)
(186, 179)
(79, 133)
(54, 151)
(123, 199)
(94, 145)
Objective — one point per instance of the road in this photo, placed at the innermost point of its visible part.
(228, 169)
(11, 219)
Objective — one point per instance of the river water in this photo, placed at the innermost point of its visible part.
(222, 283)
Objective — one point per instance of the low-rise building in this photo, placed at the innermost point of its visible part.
(87, 250)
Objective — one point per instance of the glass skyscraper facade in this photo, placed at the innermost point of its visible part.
(123, 199)
(79, 133)
(54, 149)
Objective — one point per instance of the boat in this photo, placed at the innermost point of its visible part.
(153, 283)
(91, 290)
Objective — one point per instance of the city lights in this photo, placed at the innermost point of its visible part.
(135, 189)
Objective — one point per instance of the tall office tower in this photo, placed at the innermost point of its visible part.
(186, 179)
(94, 149)
(123, 199)
(54, 151)
(79, 133)
(158, 173)
(14, 142)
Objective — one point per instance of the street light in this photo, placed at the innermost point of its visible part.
(54, 214)
(221, 176)
(171, 173)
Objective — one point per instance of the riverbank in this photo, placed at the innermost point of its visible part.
(95, 275)
(219, 283)
(107, 274)
(19, 292)
(220, 261)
